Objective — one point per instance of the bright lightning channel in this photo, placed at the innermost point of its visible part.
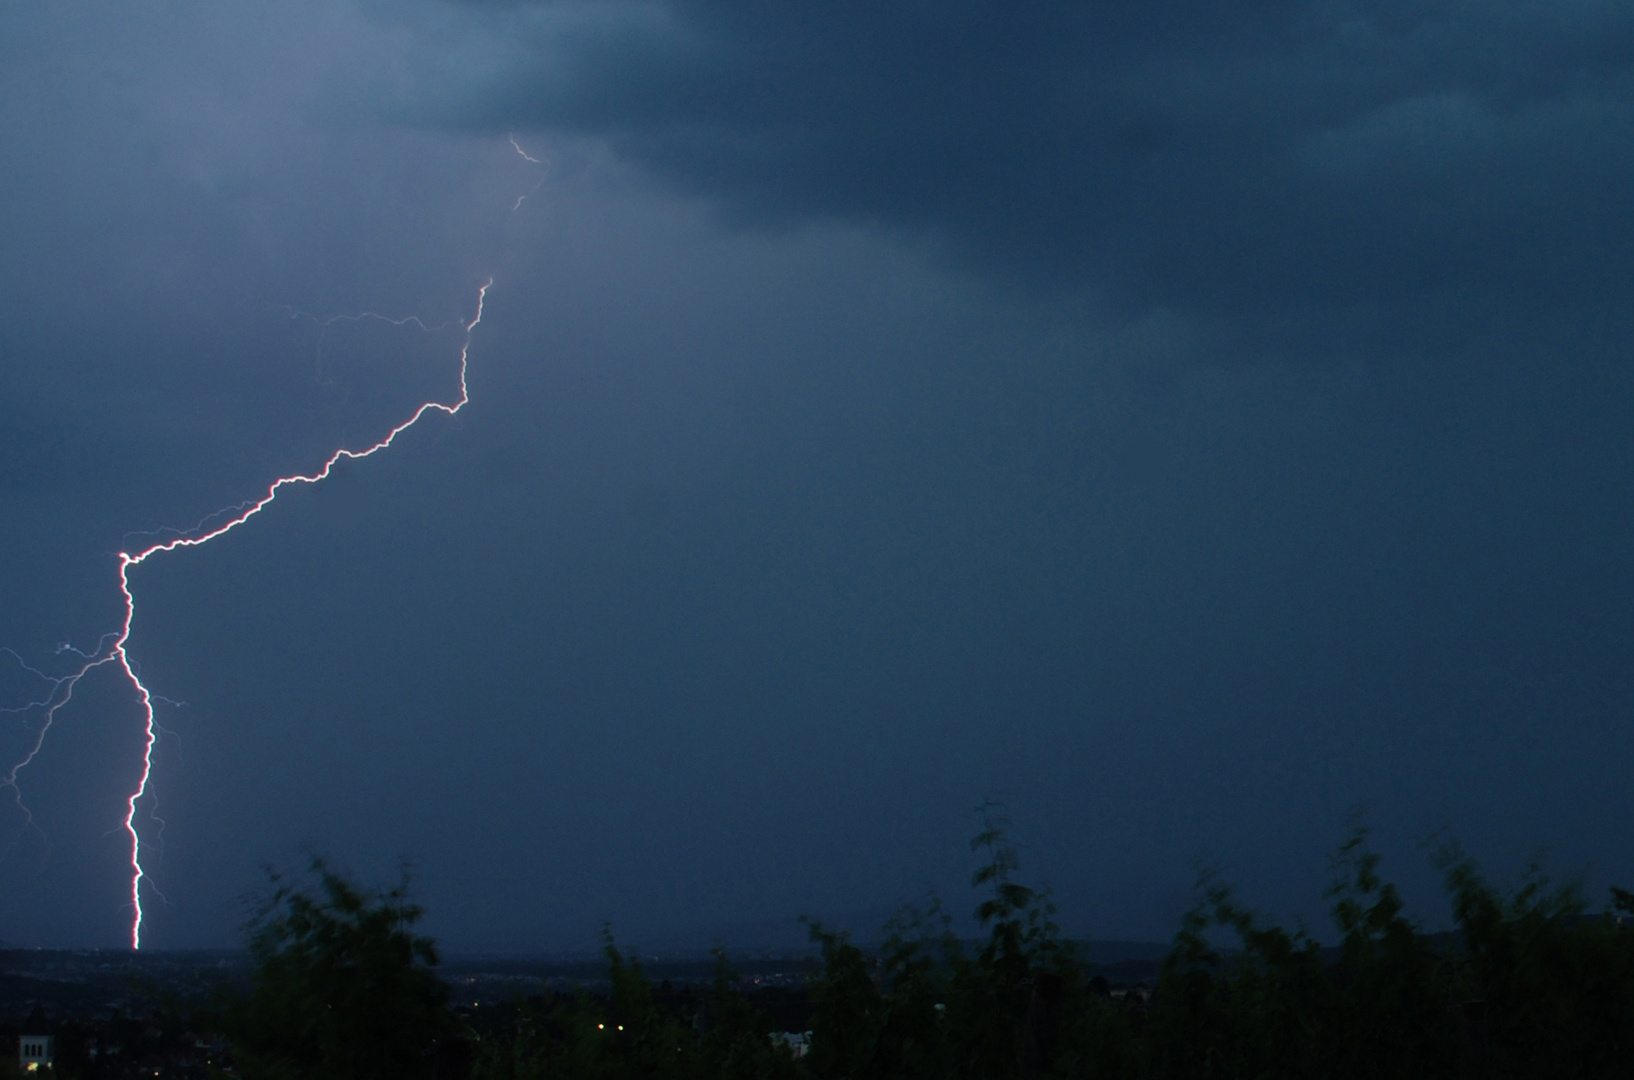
(525, 155)
(112, 648)
(544, 169)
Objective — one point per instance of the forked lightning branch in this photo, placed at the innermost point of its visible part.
(113, 648)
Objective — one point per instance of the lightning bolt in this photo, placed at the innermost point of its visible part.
(525, 155)
(543, 171)
(113, 647)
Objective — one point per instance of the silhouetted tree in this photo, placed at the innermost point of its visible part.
(343, 988)
(926, 1006)
(1549, 988)
(1529, 985)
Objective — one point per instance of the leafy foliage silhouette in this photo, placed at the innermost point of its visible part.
(343, 987)
(1529, 984)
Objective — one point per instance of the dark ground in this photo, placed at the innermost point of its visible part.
(100, 983)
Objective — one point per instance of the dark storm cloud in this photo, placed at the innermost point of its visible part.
(1247, 162)
(761, 554)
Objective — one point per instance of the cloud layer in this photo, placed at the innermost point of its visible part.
(763, 553)
(1348, 161)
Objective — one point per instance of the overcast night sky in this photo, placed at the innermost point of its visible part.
(1191, 425)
